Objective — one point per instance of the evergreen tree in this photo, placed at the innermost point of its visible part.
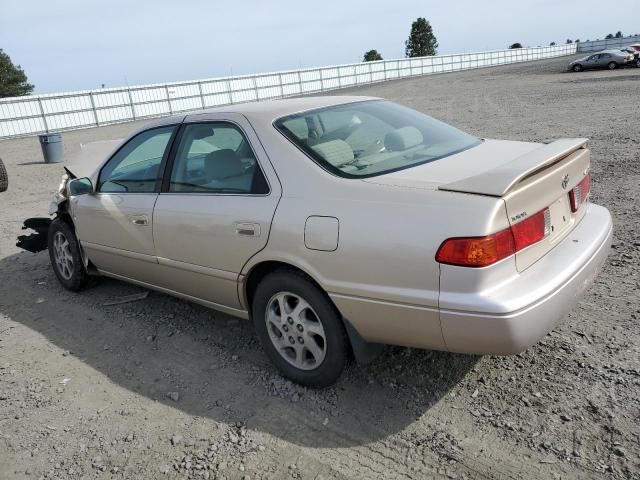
(13, 81)
(422, 42)
(372, 56)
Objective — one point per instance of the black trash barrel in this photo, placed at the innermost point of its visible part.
(51, 144)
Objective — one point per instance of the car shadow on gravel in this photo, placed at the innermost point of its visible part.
(210, 365)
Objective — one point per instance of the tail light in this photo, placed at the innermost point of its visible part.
(485, 251)
(579, 194)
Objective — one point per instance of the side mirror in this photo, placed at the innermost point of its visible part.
(80, 186)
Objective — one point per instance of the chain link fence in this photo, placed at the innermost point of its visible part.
(30, 115)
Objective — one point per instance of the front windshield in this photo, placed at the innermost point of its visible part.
(371, 138)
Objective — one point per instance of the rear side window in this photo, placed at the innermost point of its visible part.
(370, 138)
(215, 157)
(135, 168)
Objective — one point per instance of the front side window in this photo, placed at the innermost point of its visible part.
(135, 168)
(369, 138)
(215, 157)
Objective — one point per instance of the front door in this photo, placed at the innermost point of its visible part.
(593, 61)
(115, 224)
(215, 209)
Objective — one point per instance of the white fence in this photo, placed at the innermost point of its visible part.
(21, 116)
(598, 45)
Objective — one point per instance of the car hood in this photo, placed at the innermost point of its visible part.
(90, 156)
(469, 163)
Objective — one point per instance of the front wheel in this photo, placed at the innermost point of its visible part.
(612, 65)
(300, 329)
(64, 253)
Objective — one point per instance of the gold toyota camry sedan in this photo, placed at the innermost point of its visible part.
(337, 224)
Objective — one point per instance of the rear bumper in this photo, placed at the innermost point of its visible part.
(514, 315)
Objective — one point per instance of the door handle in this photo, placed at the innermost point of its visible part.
(139, 220)
(248, 229)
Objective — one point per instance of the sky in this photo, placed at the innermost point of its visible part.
(70, 45)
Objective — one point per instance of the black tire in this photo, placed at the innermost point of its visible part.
(612, 65)
(577, 67)
(75, 278)
(4, 177)
(335, 345)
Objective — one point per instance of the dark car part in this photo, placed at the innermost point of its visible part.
(35, 242)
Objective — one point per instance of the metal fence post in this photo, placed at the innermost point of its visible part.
(300, 81)
(44, 117)
(93, 107)
(166, 89)
(255, 87)
(229, 92)
(133, 110)
(201, 96)
(281, 87)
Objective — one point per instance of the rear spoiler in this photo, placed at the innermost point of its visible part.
(498, 181)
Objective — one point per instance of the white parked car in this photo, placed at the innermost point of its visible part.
(339, 223)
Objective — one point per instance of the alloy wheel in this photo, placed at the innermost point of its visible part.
(62, 256)
(296, 331)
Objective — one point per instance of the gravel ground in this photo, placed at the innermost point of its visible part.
(162, 388)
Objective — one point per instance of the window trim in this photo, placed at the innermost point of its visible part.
(165, 155)
(166, 176)
(335, 171)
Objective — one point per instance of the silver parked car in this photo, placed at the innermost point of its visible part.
(610, 59)
(337, 224)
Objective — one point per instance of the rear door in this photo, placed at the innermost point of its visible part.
(604, 60)
(214, 212)
(114, 224)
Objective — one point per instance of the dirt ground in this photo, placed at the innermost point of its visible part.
(162, 388)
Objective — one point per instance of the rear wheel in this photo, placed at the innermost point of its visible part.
(64, 253)
(577, 68)
(4, 177)
(612, 65)
(300, 329)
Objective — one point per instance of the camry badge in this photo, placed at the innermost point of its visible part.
(565, 181)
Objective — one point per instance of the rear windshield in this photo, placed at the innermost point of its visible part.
(371, 138)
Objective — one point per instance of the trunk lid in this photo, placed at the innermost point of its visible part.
(539, 179)
(529, 177)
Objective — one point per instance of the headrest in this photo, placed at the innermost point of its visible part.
(198, 132)
(298, 126)
(222, 164)
(336, 152)
(402, 139)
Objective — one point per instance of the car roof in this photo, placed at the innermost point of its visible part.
(267, 110)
